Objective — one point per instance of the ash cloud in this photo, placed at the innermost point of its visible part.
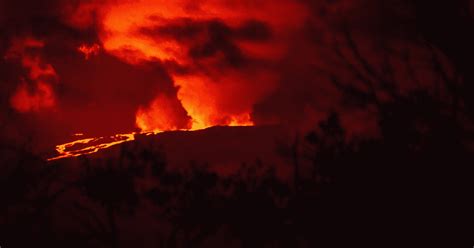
(206, 39)
(97, 96)
(287, 62)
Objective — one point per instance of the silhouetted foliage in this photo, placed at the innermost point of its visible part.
(410, 183)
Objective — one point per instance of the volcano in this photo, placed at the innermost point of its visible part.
(221, 148)
(236, 123)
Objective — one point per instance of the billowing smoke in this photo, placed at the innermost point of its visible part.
(110, 66)
(221, 54)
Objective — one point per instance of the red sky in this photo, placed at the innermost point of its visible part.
(105, 67)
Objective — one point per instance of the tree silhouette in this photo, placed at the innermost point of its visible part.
(410, 183)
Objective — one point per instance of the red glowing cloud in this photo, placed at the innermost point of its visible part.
(211, 43)
(40, 97)
(35, 92)
(161, 115)
(121, 66)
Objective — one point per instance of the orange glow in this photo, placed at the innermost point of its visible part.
(210, 94)
(90, 145)
(160, 116)
(212, 103)
(122, 22)
(241, 121)
(210, 98)
(89, 50)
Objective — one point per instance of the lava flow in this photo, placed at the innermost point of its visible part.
(154, 65)
(90, 145)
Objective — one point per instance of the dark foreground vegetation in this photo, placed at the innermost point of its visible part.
(411, 187)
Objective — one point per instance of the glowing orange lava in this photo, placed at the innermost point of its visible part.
(90, 145)
(210, 96)
(211, 92)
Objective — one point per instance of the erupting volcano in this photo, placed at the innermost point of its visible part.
(112, 69)
(235, 123)
(205, 47)
(201, 64)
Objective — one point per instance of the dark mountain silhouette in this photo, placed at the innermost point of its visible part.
(219, 147)
(406, 182)
(410, 186)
